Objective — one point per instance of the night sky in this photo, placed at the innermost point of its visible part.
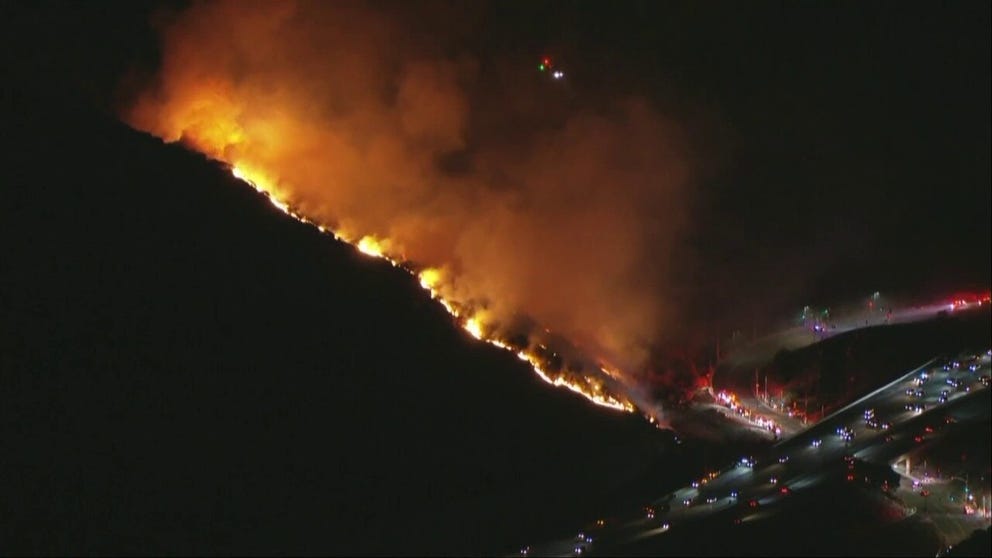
(845, 147)
(170, 343)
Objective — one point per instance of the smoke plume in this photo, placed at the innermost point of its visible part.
(535, 203)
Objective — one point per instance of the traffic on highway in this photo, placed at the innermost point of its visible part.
(882, 427)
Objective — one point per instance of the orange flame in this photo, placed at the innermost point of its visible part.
(430, 280)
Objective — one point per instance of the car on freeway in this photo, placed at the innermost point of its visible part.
(876, 424)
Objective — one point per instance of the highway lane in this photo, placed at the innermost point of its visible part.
(805, 459)
(762, 350)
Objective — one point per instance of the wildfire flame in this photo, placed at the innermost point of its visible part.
(567, 223)
(261, 184)
(474, 328)
(430, 280)
(369, 246)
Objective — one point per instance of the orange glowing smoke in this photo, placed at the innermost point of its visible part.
(514, 211)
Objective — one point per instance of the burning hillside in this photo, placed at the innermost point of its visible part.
(546, 231)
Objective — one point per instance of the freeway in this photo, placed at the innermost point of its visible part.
(760, 351)
(881, 427)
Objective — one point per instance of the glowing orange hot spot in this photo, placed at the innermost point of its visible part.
(473, 327)
(369, 246)
(430, 278)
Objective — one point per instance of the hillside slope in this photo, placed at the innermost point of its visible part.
(186, 370)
